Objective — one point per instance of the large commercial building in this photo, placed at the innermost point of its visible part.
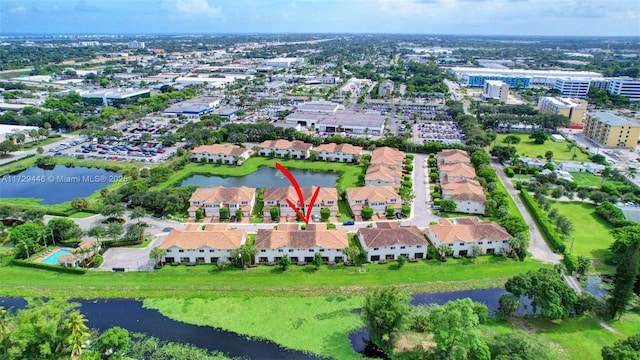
(625, 86)
(348, 121)
(495, 89)
(573, 87)
(116, 96)
(611, 130)
(574, 109)
(476, 76)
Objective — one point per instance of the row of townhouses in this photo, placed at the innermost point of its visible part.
(386, 241)
(457, 181)
(211, 200)
(385, 168)
(230, 154)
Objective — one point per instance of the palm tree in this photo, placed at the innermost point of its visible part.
(23, 244)
(4, 328)
(157, 254)
(75, 322)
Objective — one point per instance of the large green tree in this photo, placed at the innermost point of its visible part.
(44, 330)
(112, 343)
(385, 313)
(518, 345)
(625, 278)
(63, 229)
(627, 349)
(456, 333)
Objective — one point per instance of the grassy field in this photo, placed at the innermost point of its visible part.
(528, 148)
(205, 280)
(348, 172)
(591, 232)
(312, 324)
(321, 325)
(588, 179)
(81, 215)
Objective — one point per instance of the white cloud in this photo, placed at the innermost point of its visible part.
(18, 10)
(196, 8)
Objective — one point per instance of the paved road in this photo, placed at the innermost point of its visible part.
(421, 215)
(538, 248)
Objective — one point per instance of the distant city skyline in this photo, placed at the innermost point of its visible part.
(456, 17)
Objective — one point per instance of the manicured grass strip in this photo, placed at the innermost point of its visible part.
(202, 280)
(528, 148)
(312, 324)
(348, 172)
(81, 215)
(591, 232)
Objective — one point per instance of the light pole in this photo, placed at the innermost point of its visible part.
(571, 248)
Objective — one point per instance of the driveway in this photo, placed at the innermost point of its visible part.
(538, 248)
(131, 259)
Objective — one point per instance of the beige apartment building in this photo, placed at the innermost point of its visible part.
(574, 109)
(611, 131)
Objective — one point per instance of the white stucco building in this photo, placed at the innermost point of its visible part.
(462, 234)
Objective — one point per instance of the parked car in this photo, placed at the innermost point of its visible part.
(348, 222)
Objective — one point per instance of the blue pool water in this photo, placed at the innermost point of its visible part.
(53, 259)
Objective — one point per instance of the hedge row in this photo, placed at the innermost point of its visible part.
(547, 230)
(571, 263)
(612, 214)
(57, 268)
(120, 242)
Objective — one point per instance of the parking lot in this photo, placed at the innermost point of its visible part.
(134, 146)
(446, 132)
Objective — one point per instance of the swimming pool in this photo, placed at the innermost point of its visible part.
(53, 258)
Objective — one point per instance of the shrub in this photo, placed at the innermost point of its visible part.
(367, 213)
(331, 226)
(409, 167)
(406, 210)
(547, 230)
(612, 214)
(57, 268)
(97, 260)
(570, 262)
(509, 172)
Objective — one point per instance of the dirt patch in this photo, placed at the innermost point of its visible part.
(524, 325)
(411, 341)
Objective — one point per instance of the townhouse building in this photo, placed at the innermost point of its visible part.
(301, 245)
(228, 154)
(375, 197)
(462, 234)
(327, 198)
(466, 193)
(282, 148)
(452, 156)
(211, 200)
(387, 156)
(387, 241)
(380, 175)
(339, 152)
(196, 244)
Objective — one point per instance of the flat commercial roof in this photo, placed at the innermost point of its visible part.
(609, 118)
(118, 93)
(345, 118)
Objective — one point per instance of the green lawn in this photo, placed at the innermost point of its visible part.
(588, 179)
(81, 215)
(202, 280)
(344, 210)
(591, 232)
(319, 325)
(528, 148)
(583, 338)
(349, 173)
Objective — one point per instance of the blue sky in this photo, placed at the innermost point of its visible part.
(503, 17)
